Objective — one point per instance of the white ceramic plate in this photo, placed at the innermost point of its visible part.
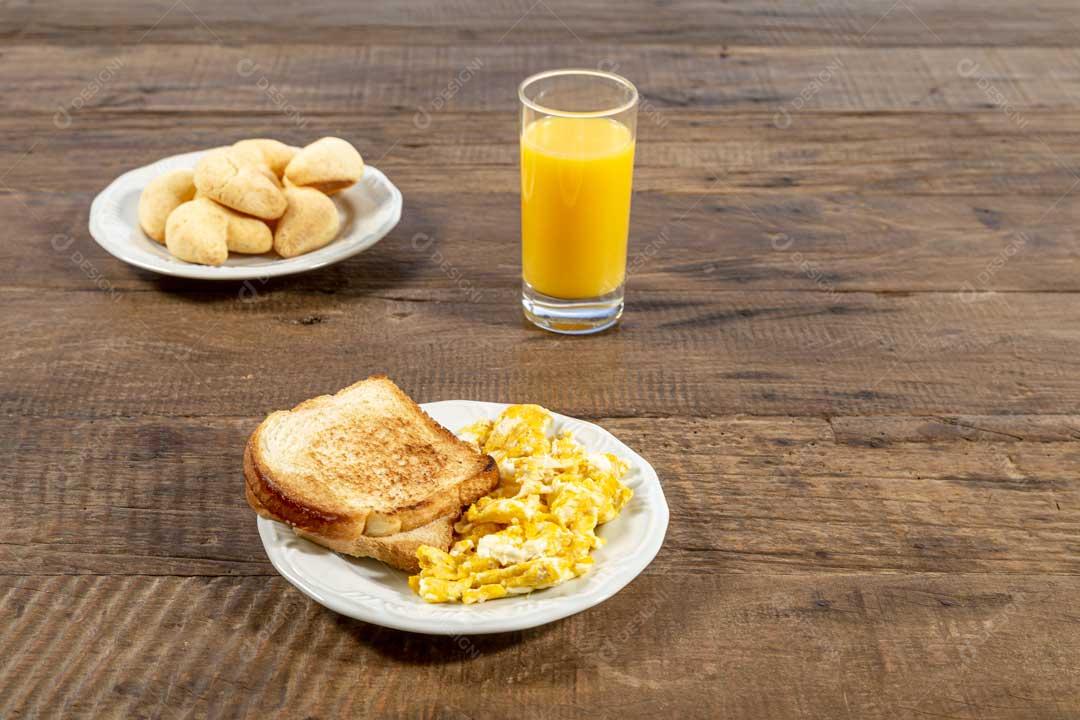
(370, 591)
(369, 210)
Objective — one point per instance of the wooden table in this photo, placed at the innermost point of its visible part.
(851, 350)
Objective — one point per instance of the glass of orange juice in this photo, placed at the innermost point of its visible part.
(577, 163)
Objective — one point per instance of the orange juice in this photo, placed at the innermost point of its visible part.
(575, 205)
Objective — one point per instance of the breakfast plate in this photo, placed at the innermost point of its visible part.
(368, 590)
(369, 210)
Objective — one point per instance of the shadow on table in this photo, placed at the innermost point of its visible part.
(419, 649)
(377, 269)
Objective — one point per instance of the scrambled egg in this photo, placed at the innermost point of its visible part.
(537, 528)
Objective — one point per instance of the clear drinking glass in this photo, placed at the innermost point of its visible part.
(578, 129)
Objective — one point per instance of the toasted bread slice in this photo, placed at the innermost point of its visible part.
(364, 462)
(397, 550)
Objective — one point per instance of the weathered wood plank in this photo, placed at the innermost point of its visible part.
(300, 81)
(180, 352)
(741, 234)
(832, 244)
(819, 154)
(874, 23)
(873, 647)
(984, 429)
(778, 495)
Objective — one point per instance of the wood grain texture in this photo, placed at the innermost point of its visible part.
(850, 350)
(175, 352)
(820, 154)
(879, 647)
(230, 79)
(767, 241)
(878, 23)
(753, 495)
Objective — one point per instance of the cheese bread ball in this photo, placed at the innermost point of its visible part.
(246, 234)
(227, 177)
(246, 154)
(310, 222)
(330, 164)
(161, 196)
(275, 154)
(197, 232)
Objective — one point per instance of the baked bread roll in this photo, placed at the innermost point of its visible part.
(197, 232)
(329, 164)
(160, 197)
(275, 154)
(246, 234)
(310, 222)
(229, 178)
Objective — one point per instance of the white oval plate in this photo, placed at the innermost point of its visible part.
(369, 210)
(370, 591)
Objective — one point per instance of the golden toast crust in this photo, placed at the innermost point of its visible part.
(413, 470)
(398, 550)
